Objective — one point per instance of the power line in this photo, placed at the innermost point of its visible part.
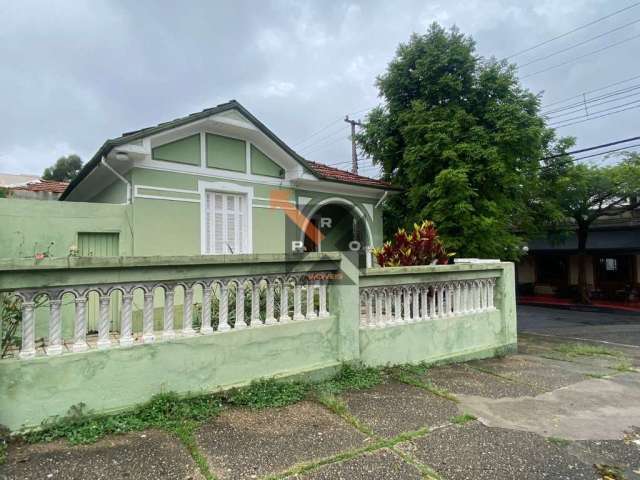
(556, 102)
(322, 139)
(581, 56)
(596, 117)
(607, 152)
(581, 27)
(591, 100)
(329, 125)
(586, 104)
(595, 147)
(584, 42)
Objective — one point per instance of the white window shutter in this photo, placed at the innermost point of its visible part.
(226, 223)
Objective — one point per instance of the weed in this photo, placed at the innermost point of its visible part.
(609, 472)
(266, 393)
(184, 431)
(165, 410)
(595, 375)
(462, 419)
(559, 442)
(339, 407)
(585, 349)
(624, 365)
(351, 377)
(402, 375)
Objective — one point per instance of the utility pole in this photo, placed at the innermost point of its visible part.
(354, 153)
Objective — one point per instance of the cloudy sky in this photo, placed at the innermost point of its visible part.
(75, 73)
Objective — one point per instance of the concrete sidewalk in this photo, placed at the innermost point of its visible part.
(544, 413)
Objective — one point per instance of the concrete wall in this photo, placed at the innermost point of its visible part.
(32, 390)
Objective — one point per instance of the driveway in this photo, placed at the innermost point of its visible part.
(614, 328)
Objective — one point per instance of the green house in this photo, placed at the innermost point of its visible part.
(213, 182)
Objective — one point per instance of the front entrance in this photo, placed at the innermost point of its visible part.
(614, 276)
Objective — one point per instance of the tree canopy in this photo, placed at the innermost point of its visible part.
(64, 170)
(464, 140)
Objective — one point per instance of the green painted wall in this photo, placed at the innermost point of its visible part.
(115, 192)
(186, 150)
(226, 153)
(261, 164)
(36, 389)
(30, 226)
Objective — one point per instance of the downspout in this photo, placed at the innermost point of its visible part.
(117, 174)
(386, 192)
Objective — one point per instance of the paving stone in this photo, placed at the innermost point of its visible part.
(380, 465)
(542, 374)
(623, 453)
(475, 452)
(149, 455)
(392, 408)
(461, 380)
(243, 443)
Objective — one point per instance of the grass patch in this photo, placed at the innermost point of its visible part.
(165, 410)
(624, 365)
(586, 350)
(462, 419)
(406, 375)
(268, 393)
(339, 407)
(559, 442)
(595, 375)
(351, 377)
(609, 472)
(184, 431)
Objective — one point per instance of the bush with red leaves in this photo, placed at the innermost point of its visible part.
(420, 247)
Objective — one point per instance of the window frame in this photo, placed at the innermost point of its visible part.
(204, 189)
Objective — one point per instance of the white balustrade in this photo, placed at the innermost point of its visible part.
(383, 307)
(122, 330)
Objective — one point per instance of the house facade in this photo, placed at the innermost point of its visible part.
(214, 182)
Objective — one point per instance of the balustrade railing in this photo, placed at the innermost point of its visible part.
(241, 302)
(383, 306)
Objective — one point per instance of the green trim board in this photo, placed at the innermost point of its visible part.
(261, 164)
(184, 150)
(226, 153)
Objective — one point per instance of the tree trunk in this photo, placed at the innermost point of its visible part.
(583, 291)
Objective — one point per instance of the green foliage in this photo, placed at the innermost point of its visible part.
(559, 442)
(64, 170)
(267, 393)
(462, 419)
(352, 377)
(465, 140)
(410, 375)
(4, 192)
(422, 246)
(10, 320)
(166, 410)
(585, 349)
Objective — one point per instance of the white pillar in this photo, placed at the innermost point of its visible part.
(28, 347)
(492, 282)
(379, 315)
(397, 308)
(54, 346)
(104, 341)
(406, 296)
(371, 319)
(270, 318)
(205, 325)
(255, 305)
(297, 300)
(284, 302)
(187, 317)
(387, 306)
(126, 337)
(323, 300)
(223, 313)
(168, 331)
(147, 318)
(311, 309)
(416, 304)
(424, 300)
(80, 330)
(240, 306)
(441, 311)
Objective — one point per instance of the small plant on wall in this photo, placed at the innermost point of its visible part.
(421, 246)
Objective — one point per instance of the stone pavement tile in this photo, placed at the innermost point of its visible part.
(543, 374)
(462, 380)
(243, 443)
(392, 408)
(475, 452)
(151, 454)
(624, 454)
(379, 465)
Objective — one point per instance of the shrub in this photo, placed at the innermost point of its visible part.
(420, 247)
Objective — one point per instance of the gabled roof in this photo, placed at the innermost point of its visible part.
(318, 170)
(43, 186)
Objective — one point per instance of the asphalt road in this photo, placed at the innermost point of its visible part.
(619, 328)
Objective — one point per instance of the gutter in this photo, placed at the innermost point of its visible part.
(117, 174)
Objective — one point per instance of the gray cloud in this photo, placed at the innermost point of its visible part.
(75, 73)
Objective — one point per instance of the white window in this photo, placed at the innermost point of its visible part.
(226, 223)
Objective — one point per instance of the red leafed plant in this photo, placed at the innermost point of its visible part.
(420, 247)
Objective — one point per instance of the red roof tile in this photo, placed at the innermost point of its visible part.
(335, 174)
(44, 186)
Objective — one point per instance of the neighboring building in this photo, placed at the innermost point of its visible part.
(39, 190)
(613, 262)
(201, 184)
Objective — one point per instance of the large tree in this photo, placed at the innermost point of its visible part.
(64, 170)
(585, 193)
(464, 140)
